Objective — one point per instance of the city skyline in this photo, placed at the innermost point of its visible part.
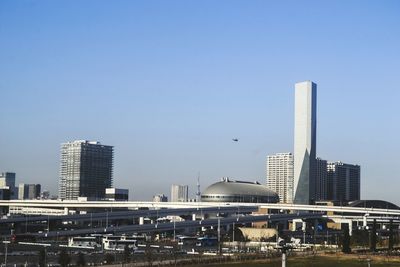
(224, 70)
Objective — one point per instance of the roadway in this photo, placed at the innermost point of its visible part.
(168, 226)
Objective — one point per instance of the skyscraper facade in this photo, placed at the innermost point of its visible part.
(280, 176)
(321, 179)
(86, 169)
(179, 193)
(305, 129)
(29, 191)
(343, 181)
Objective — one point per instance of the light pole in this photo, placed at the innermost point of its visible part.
(283, 257)
(283, 248)
(219, 235)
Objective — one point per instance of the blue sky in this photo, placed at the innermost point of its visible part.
(170, 83)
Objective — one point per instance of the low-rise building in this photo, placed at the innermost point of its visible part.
(117, 194)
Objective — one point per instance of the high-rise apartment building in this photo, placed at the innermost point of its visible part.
(179, 193)
(305, 129)
(321, 179)
(343, 181)
(280, 176)
(86, 170)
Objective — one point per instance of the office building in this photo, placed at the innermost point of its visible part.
(86, 170)
(7, 181)
(29, 191)
(179, 193)
(343, 181)
(117, 194)
(160, 198)
(280, 176)
(4, 193)
(305, 142)
(321, 183)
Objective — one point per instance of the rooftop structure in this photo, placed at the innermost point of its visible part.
(239, 191)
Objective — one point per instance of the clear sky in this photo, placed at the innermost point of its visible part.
(170, 83)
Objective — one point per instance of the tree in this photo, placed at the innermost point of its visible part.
(81, 259)
(64, 259)
(149, 256)
(373, 237)
(346, 239)
(42, 258)
(109, 258)
(127, 254)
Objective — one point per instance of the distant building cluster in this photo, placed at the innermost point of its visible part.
(160, 198)
(302, 178)
(9, 191)
(86, 171)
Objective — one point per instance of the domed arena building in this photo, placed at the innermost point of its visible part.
(239, 191)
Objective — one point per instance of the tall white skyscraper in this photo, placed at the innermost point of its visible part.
(179, 193)
(280, 176)
(305, 129)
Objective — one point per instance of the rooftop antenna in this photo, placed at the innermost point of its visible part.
(198, 194)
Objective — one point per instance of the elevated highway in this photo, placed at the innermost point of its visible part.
(162, 227)
(77, 206)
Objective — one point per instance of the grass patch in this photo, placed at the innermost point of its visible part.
(318, 261)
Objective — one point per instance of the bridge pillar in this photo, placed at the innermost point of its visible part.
(296, 223)
(141, 221)
(365, 221)
(350, 222)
